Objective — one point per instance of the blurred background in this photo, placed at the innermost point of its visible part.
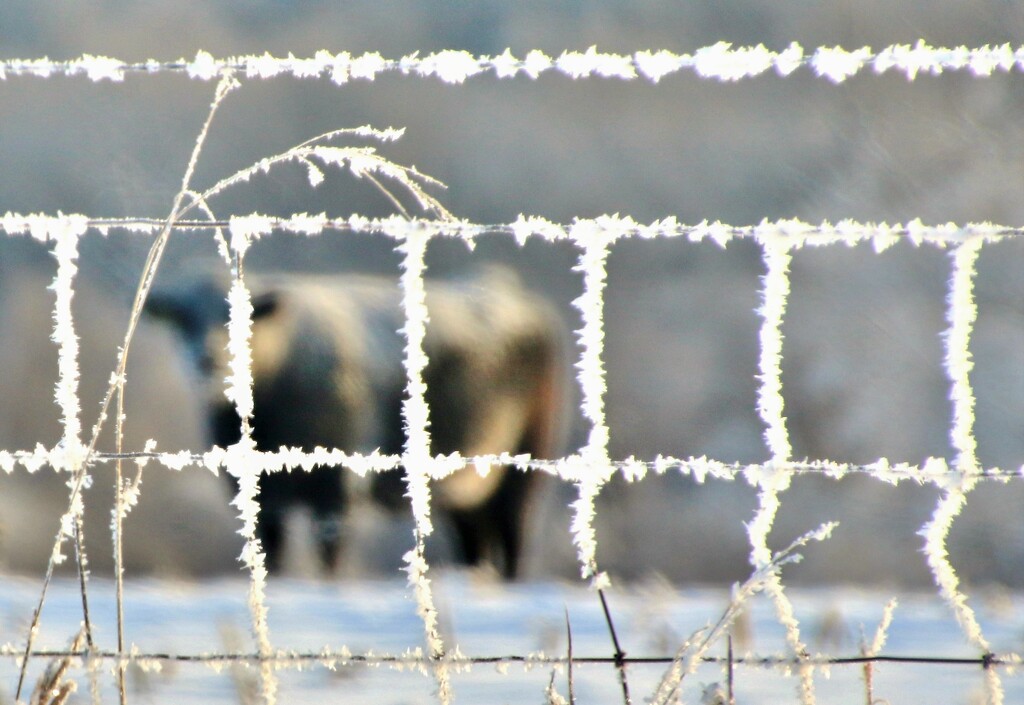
(862, 368)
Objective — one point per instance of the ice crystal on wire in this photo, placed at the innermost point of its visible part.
(770, 403)
(723, 62)
(837, 64)
(203, 67)
(450, 66)
(65, 234)
(718, 62)
(656, 65)
(100, 68)
(505, 65)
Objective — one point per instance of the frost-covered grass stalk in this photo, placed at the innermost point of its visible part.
(875, 648)
(691, 653)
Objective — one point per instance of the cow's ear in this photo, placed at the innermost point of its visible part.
(264, 305)
(165, 307)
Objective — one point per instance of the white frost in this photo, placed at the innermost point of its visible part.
(720, 62)
(770, 404)
(837, 64)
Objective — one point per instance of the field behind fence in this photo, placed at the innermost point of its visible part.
(840, 382)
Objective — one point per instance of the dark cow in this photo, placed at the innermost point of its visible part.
(327, 362)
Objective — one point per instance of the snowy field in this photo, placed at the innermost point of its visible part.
(487, 619)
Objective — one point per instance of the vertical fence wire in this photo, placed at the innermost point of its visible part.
(961, 313)
(417, 459)
(775, 477)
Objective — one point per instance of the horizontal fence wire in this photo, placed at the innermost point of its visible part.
(327, 657)
(720, 61)
(793, 234)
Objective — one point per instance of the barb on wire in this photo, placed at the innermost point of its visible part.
(620, 655)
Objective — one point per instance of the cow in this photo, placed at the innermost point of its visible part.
(327, 365)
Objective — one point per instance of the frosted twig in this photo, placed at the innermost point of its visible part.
(877, 643)
(53, 688)
(360, 161)
(569, 667)
(695, 648)
(119, 511)
(551, 694)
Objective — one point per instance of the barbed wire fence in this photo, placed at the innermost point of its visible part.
(591, 467)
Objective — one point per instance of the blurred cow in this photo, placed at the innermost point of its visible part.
(327, 363)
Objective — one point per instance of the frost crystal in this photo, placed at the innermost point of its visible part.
(450, 66)
(99, 68)
(722, 62)
(367, 66)
(536, 63)
(203, 67)
(245, 229)
(789, 60)
(837, 64)
(505, 65)
(239, 380)
(657, 65)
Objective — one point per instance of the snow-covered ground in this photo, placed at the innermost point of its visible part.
(487, 619)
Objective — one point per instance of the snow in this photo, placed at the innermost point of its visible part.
(340, 622)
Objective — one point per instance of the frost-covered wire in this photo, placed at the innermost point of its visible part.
(770, 404)
(795, 233)
(242, 460)
(961, 314)
(416, 458)
(591, 469)
(721, 61)
(775, 477)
